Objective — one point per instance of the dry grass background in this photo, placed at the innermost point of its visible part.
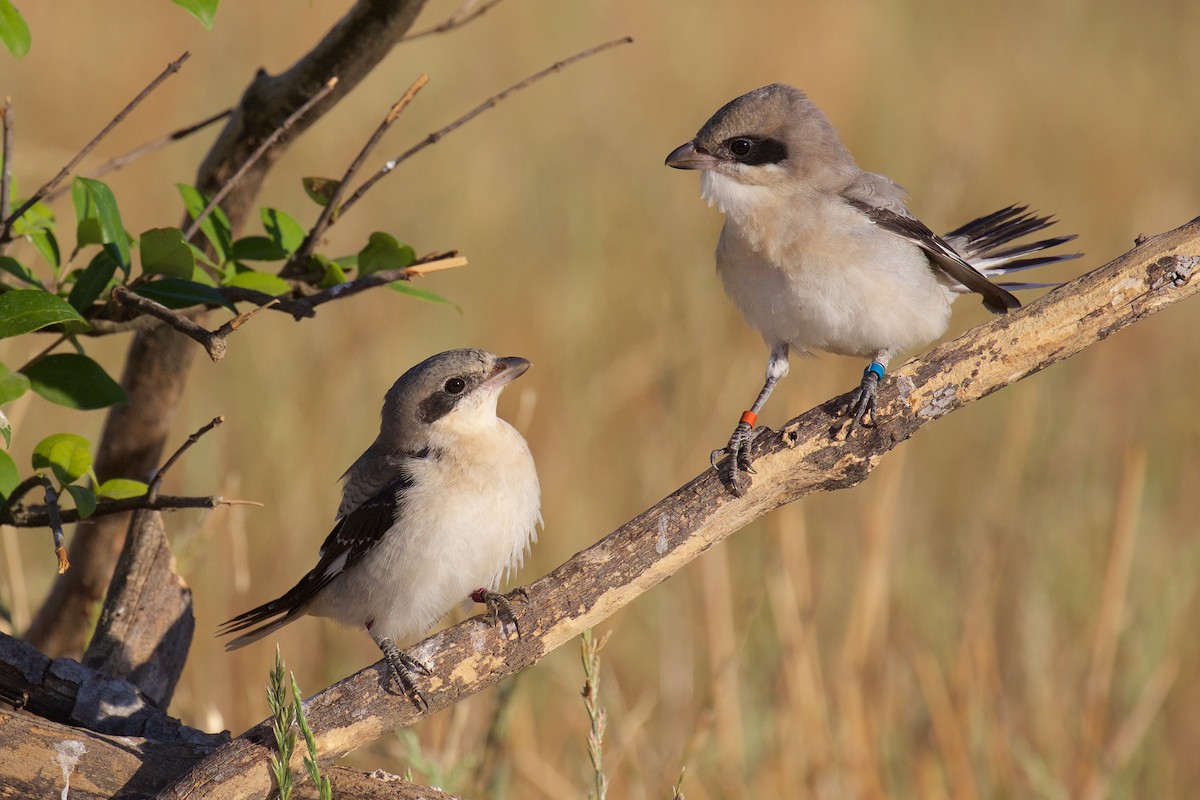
(1006, 609)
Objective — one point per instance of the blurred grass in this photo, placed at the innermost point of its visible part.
(1004, 609)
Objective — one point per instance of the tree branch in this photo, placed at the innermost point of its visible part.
(469, 11)
(172, 68)
(491, 102)
(327, 215)
(798, 460)
(259, 152)
(39, 516)
(114, 164)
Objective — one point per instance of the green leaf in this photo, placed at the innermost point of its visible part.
(282, 229)
(37, 225)
(68, 455)
(20, 271)
(164, 252)
(9, 476)
(258, 248)
(12, 385)
(203, 10)
(102, 206)
(332, 272)
(121, 488)
(384, 251)
(25, 310)
(93, 281)
(175, 293)
(405, 287)
(5, 429)
(261, 282)
(215, 226)
(85, 501)
(320, 190)
(74, 381)
(14, 33)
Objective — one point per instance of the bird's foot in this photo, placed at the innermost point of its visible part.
(499, 607)
(864, 399)
(405, 669)
(735, 471)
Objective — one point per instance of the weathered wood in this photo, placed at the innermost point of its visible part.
(40, 759)
(804, 457)
(65, 691)
(146, 626)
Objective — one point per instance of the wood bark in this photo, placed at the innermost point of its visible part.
(809, 454)
(146, 626)
(44, 759)
(157, 364)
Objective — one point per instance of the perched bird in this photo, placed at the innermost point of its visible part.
(440, 507)
(820, 255)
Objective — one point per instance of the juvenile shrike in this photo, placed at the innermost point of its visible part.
(820, 255)
(439, 508)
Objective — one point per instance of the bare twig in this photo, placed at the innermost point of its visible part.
(39, 516)
(304, 306)
(469, 11)
(213, 342)
(171, 69)
(327, 216)
(437, 135)
(114, 164)
(156, 482)
(54, 518)
(266, 145)
(6, 158)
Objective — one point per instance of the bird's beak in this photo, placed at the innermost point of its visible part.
(506, 370)
(686, 156)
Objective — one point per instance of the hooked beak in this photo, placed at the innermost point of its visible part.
(506, 370)
(686, 156)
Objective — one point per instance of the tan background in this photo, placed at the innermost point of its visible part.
(931, 633)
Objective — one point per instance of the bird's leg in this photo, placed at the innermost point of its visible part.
(405, 669)
(499, 607)
(743, 435)
(863, 399)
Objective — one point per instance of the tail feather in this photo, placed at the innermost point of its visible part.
(270, 617)
(987, 243)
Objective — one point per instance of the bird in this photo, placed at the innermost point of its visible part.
(821, 255)
(442, 506)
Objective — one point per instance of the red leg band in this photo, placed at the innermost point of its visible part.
(749, 417)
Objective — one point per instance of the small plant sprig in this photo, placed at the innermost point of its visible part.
(590, 652)
(287, 710)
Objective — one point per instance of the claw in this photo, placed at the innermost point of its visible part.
(499, 607)
(863, 402)
(405, 669)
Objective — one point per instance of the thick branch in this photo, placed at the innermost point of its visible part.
(800, 459)
(146, 626)
(65, 691)
(44, 759)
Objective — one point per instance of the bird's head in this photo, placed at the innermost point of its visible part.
(449, 394)
(772, 137)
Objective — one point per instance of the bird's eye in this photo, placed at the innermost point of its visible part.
(455, 386)
(741, 146)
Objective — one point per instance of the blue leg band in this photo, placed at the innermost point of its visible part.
(876, 368)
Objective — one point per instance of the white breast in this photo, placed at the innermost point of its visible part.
(467, 522)
(814, 273)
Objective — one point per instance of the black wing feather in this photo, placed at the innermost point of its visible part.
(353, 536)
(940, 254)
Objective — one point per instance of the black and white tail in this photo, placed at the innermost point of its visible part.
(984, 244)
